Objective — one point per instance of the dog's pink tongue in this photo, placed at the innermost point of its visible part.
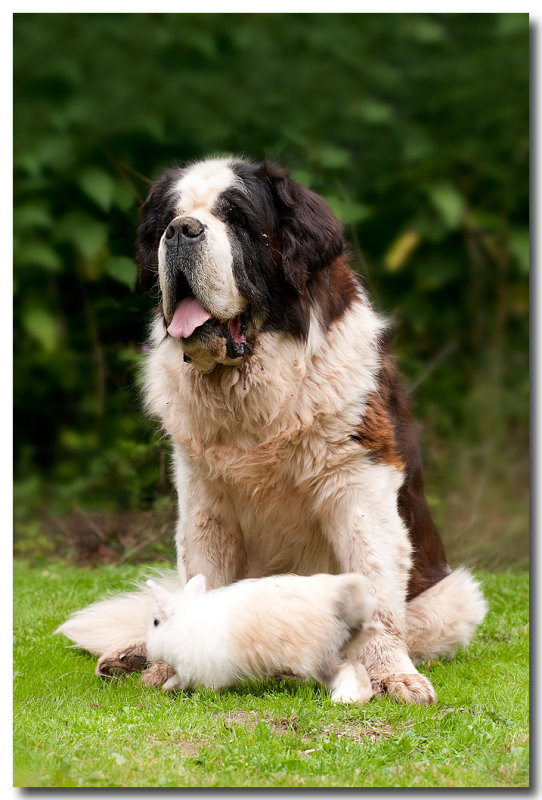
(188, 316)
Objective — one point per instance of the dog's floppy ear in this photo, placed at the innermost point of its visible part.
(151, 228)
(312, 237)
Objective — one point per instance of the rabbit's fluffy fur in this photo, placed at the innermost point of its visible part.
(306, 626)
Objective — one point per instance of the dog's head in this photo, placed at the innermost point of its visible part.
(235, 248)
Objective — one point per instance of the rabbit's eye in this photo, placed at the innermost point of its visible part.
(156, 622)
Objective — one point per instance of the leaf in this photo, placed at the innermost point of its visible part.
(332, 157)
(32, 215)
(42, 326)
(510, 24)
(347, 211)
(448, 202)
(401, 250)
(416, 144)
(122, 269)
(56, 152)
(99, 186)
(427, 30)
(124, 195)
(302, 176)
(37, 254)
(28, 161)
(86, 233)
(519, 247)
(374, 111)
(90, 238)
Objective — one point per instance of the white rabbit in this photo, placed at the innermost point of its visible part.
(311, 627)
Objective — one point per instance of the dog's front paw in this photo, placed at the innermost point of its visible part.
(157, 674)
(130, 659)
(406, 688)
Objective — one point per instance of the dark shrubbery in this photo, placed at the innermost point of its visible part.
(414, 128)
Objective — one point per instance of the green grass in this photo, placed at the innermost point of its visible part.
(73, 729)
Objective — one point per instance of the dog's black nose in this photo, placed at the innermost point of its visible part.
(186, 227)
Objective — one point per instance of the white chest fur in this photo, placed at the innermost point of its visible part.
(272, 439)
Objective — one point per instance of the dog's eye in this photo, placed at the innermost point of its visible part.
(156, 622)
(234, 215)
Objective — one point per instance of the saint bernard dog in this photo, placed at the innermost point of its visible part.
(293, 446)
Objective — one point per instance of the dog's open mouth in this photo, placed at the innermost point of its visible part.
(189, 314)
(195, 327)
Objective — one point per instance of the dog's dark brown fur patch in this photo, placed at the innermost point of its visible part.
(376, 433)
(388, 430)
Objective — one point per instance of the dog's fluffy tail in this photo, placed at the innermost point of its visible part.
(444, 617)
(116, 622)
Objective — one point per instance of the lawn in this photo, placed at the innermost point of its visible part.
(73, 729)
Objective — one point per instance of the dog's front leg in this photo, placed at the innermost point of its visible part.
(360, 520)
(208, 541)
(208, 536)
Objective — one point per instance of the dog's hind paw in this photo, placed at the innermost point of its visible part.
(157, 674)
(406, 687)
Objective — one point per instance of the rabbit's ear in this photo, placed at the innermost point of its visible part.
(195, 587)
(163, 598)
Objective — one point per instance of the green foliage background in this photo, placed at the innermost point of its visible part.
(414, 128)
